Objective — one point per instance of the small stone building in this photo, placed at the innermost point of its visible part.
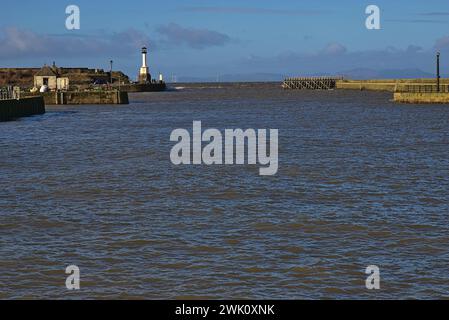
(50, 77)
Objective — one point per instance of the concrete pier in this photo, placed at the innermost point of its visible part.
(17, 108)
(419, 93)
(390, 85)
(422, 97)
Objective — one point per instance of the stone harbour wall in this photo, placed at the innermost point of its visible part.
(85, 97)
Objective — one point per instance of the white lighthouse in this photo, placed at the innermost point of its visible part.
(144, 75)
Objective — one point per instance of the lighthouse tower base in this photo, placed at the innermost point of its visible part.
(144, 75)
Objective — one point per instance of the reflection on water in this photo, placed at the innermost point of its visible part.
(361, 181)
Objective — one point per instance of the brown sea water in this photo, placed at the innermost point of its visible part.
(362, 181)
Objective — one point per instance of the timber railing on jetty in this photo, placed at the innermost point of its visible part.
(9, 93)
(311, 83)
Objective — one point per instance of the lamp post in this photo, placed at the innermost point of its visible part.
(112, 62)
(438, 72)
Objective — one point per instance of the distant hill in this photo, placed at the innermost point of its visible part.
(248, 77)
(253, 77)
(356, 74)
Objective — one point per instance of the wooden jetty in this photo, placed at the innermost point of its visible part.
(311, 83)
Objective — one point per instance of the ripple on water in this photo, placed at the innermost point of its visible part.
(361, 181)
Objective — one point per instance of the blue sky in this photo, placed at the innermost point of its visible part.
(209, 38)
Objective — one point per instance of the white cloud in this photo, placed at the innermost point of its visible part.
(18, 43)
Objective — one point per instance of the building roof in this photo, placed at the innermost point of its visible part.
(46, 71)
